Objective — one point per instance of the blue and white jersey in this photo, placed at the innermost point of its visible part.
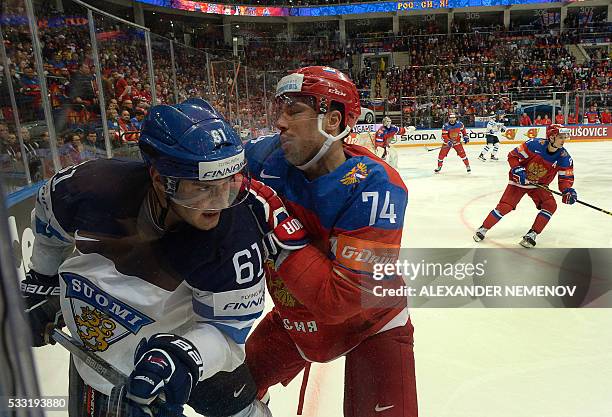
(122, 279)
(493, 127)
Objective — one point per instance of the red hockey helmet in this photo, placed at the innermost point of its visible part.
(556, 129)
(326, 85)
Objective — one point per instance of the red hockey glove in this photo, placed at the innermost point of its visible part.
(569, 196)
(281, 230)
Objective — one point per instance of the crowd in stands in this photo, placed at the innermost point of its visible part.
(470, 74)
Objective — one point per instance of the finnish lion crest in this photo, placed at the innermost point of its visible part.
(94, 328)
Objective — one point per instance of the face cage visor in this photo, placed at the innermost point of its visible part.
(210, 196)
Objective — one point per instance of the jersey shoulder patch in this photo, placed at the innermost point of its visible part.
(378, 199)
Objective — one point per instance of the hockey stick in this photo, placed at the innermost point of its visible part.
(101, 367)
(577, 201)
(439, 147)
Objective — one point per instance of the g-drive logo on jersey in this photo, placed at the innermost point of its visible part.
(101, 319)
(222, 168)
(291, 83)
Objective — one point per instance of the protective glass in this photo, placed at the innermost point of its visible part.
(213, 195)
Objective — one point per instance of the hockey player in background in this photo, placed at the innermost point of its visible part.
(536, 161)
(151, 263)
(324, 302)
(452, 133)
(495, 125)
(385, 134)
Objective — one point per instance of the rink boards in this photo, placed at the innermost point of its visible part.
(420, 137)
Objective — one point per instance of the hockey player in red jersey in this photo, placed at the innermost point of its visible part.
(385, 133)
(536, 161)
(452, 133)
(352, 206)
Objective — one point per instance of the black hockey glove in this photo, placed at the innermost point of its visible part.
(42, 306)
(167, 368)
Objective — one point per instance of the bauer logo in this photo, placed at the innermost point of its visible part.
(100, 319)
(223, 168)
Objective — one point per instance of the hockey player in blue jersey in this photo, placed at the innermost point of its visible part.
(495, 125)
(157, 267)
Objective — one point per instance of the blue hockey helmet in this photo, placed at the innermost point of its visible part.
(197, 153)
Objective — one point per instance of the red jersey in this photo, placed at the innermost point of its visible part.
(592, 117)
(541, 165)
(606, 117)
(525, 120)
(454, 132)
(324, 293)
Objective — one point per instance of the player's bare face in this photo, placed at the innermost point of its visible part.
(557, 142)
(299, 135)
(200, 202)
(202, 220)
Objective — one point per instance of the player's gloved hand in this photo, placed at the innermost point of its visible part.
(569, 196)
(282, 231)
(42, 306)
(466, 139)
(503, 129)
(167, 368)
(519, 175)
(450, 143)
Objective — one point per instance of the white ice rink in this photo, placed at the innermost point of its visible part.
(480, 362)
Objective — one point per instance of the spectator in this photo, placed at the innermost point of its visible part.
(112, 122)
(91, 147)
(591, 116)
(546, 121)
(572, 119)
(70, 152)
(138, 118)
(120, 85)
(539, 121)
(606, 117)
(127, 105)
(127, 131)
(81, 87)
(559, 118)
(30, 96)
(525, 120)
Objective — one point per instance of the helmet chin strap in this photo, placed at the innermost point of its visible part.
(329, 140)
